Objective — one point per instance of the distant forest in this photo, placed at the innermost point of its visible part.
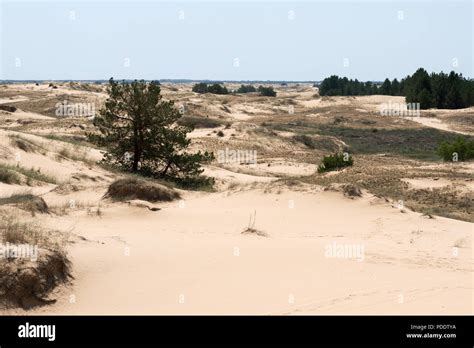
(442, 91)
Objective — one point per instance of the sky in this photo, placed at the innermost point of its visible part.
(233, 40)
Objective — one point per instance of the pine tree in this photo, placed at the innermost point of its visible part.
(139, 132)
(386, 87)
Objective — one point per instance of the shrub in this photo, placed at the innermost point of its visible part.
(200, 88)
(8, 108)
(464, 150)
(267, 91)
(246, 89)
(134, 188)
(214, 88)
(198, 183)
(335, 162)
(217, 89)
(351, 190)
(199, 122)
(220, 133)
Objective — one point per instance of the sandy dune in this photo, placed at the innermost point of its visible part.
(192, 258)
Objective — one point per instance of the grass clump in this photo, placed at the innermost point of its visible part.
(26, 145)
(78, 153)
(9, 176)
(21, 143)
(251, 227)
(134, 188)
(29, 202)
(306, 140)
(28, 280)
(335, 162)
(199, 122)
(457, 150)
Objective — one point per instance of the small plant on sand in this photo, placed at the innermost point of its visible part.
(251, 226)
(335, 162)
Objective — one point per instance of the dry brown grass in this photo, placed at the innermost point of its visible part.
(135, 188)
(28, 202)
(28, 280)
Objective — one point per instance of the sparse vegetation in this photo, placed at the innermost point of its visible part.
(9, 174)
(457, 150)
(27, 282)
(26, 144)
(251, 227)
(134, 188)
(28, 202)
(199, 122)
(306, 140)
(335, 162)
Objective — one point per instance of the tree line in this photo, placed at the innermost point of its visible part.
(218, 89)
(435, 90)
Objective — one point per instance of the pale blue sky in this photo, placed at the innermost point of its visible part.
(96, 39)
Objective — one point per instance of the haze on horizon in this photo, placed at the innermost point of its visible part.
(239, 40)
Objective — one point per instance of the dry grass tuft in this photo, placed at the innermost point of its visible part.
(134, 188)
(27, 279)
(251, 227)
(29, 202)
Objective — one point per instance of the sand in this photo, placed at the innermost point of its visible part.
(191, 257)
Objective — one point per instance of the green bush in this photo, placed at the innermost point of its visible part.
(200, 88)
(335, 162)
(267, 91)
(246, 89)
(214, 88)
(464, 150)
(217, 89)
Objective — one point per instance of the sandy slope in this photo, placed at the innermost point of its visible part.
(436, 123)
(192, 258)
